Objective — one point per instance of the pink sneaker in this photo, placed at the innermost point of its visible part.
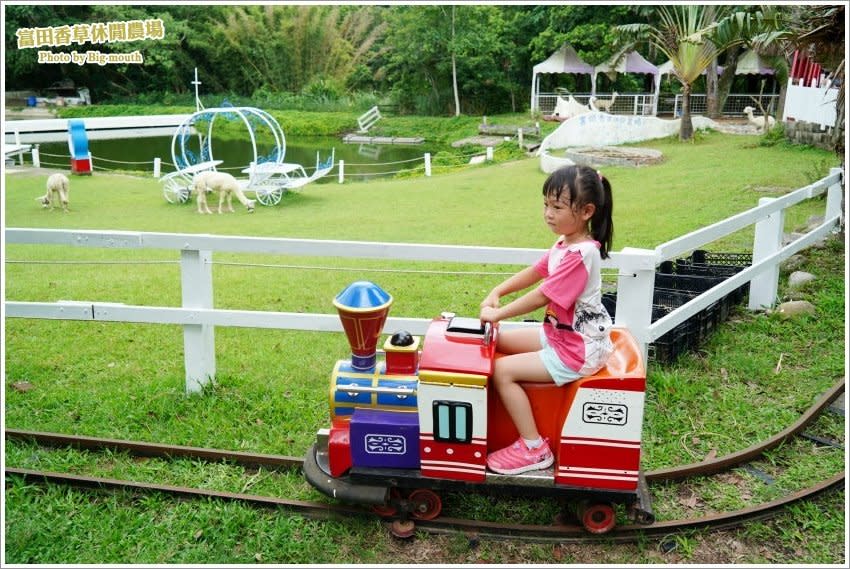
(518, 458)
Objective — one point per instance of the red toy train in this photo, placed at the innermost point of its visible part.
(423, 418)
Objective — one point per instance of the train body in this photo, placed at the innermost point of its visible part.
(421, 416)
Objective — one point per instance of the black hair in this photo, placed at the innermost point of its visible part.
(585, 185)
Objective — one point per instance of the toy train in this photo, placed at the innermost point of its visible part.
(423, 418)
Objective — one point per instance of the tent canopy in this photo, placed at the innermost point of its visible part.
(565, 60)
(632, 62)
(750, 63)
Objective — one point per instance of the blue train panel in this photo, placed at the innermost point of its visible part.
(384, 439)
(352, 389)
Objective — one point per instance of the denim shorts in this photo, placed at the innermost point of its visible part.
(559, 371)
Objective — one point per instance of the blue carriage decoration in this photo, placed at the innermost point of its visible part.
(268, 176)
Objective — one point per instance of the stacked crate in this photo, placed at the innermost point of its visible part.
(679, 281)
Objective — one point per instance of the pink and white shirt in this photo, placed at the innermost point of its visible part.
(577, 325)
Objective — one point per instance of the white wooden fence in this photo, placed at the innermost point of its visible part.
(636, 275)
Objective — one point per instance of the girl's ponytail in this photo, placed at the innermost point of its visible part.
(602, 222)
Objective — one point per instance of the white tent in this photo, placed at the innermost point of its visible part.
(631, 62)
(565, 60)
(750, 63)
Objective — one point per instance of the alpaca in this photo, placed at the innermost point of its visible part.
(226, 186)
(58, 190)
(604, 105)
(759, 121)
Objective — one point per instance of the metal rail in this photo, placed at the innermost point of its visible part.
(558, 533)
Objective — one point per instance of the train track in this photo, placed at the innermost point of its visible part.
(558, 533)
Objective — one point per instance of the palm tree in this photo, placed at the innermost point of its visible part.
(758, 27)
(680, 35)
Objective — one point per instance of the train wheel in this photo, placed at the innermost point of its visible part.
(391, 507)
(597, 518)
(403, 528)
(426, 504)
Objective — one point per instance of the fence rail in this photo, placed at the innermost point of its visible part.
(636, 274)
(645, 103)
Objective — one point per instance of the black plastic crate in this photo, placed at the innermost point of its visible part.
(711, 263)
(718, 258)
(686, 282)
(671, 345)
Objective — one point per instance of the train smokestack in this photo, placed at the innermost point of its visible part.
(363, 307)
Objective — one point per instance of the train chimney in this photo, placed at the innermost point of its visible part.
(363, 307)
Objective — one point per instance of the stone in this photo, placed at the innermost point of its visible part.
(799, 278)
(794, 308)
(794, 262)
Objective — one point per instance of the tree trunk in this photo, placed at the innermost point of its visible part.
(711, 102)
(724, 82)
(454, 67)
(686, 129)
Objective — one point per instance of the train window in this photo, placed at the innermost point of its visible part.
(452, 421)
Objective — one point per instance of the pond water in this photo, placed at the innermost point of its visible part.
(362, 161)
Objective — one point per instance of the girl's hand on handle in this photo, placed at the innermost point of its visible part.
(489, 314)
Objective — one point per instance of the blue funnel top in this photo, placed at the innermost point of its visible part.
(362, 296)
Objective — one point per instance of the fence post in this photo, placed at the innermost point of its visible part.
(198, 339)
(36, 159)
(834, 196)
(767, 241)
(635, 286)
(490, 153)
(341, 165)
(427, 163)
(157, 167)
(519, 136)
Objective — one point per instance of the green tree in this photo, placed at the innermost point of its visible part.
(678, 34)
(420, 51)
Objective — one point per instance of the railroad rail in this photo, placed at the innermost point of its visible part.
(560, 533)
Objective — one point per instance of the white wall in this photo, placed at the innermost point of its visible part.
(810, 104)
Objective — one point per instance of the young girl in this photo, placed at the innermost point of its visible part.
(574, 339)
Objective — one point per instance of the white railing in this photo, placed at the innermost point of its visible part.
(636, 275)
(732, 107)
(367, 119)
(645, 103)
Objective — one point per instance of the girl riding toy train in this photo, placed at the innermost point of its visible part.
(553, 409)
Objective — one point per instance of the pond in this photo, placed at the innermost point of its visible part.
(362, 161)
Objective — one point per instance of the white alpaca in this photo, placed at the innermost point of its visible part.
(759, 121)
(58, 191)
(603, 105)
(226, 186)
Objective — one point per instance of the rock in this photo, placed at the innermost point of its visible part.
(794, 308)
(794, 262)
(799, 278)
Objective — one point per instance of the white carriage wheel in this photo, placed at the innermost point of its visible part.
(173, 191)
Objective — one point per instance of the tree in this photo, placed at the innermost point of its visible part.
(423, 58)
(679, 34)
(756, 27)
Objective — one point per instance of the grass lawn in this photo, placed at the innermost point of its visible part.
(126, 380)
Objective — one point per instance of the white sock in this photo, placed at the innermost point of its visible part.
(533, 444)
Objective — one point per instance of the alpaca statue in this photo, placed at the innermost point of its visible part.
(765, 123)
(226, 186)
(58, 191)
(603, 105)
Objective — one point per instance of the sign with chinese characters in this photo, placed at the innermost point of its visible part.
(95, 33)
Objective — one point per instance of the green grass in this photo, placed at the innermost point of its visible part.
(126, 380)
